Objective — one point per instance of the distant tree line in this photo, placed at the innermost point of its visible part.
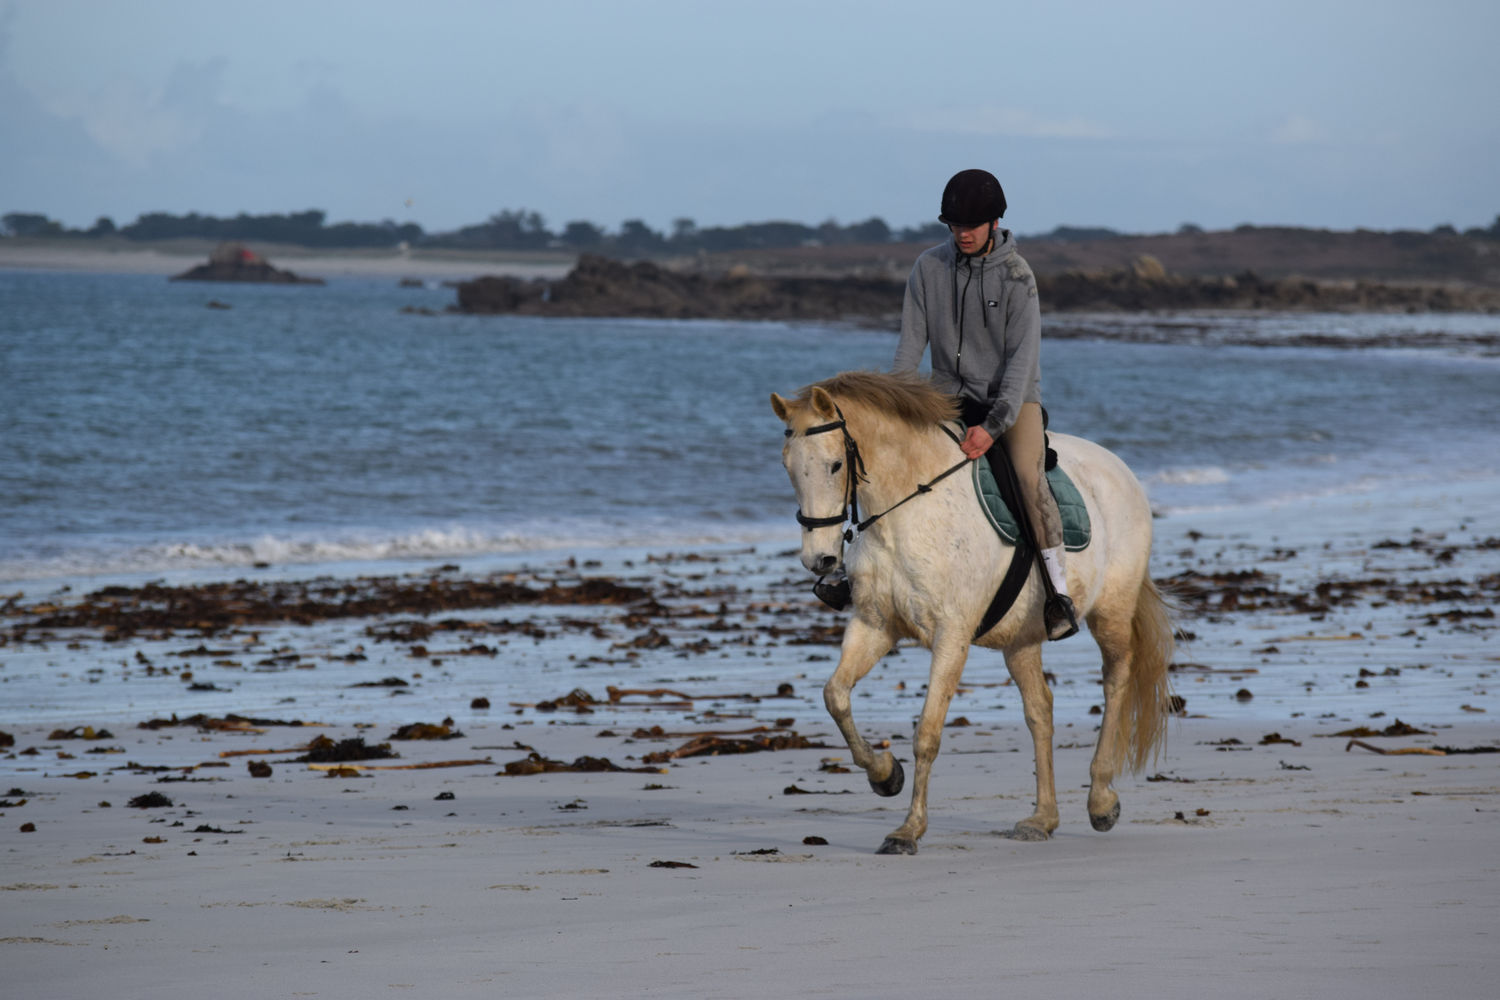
(302, 228)
(526, 230)
(506, 230)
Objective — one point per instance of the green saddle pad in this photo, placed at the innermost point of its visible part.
(1075, 516)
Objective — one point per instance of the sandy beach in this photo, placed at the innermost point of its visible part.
(1273, 850)
(1291, 870)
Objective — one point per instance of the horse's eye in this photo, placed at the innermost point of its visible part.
(837, 466)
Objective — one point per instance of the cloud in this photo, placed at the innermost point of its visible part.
(1298, 130)
(134, 124)
(1010, 122)
(126, 122)
(139, 124)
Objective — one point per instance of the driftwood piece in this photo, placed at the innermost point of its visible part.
(224, 754)
(1426, 751)
(427, 766)
(658, 733)
(714, 746)
(615, 694)
(1204, 668)
(584, 703)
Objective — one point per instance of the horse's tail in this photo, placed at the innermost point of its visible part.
(1148, 696)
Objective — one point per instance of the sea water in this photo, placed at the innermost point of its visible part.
(143, 430)
(188, 432)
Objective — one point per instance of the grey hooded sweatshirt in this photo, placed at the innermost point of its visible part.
(981, 317)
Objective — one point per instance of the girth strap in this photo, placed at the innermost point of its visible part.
(1026, 551)
(1009, 589)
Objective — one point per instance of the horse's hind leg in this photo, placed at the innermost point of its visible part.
(862, 649)
(1025, 666)
(1113, 636)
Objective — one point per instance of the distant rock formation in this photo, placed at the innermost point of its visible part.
(1147, 285)
(599, 286)
(237, 262)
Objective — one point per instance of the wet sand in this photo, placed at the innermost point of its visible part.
(554, 844)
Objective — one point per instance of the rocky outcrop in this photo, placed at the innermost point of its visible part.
(1148, 286)
(599, 286)
(237, 262)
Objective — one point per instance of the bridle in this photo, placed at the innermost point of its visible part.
(854, 471)
(854, 474)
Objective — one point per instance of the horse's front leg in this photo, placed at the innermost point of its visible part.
(948, 658)
(863, 647)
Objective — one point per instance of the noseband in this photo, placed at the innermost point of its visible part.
(854, 471)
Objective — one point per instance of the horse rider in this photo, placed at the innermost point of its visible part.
(974, 300)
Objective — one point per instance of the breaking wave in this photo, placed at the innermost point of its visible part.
(452, 543)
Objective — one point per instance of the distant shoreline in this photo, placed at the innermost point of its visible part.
(173, 258)
(801, 288)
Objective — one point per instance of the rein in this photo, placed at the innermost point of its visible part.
(856, 474)
(921, 487)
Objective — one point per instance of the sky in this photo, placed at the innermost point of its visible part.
(1139, 116)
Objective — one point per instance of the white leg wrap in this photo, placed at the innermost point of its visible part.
(1053, 560)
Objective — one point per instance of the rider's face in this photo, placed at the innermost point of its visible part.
(970, 239)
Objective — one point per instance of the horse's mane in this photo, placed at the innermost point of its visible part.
(905, 396)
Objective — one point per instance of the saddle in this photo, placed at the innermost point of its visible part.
(1077, 530)
(1000, 497)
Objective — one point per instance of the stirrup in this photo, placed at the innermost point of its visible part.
(1058, 615)
(837, 594)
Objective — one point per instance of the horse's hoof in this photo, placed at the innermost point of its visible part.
(892, 785)
(898, 845)
(1106, 822)
(1026, 832)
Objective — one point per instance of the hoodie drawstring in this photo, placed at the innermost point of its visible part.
(960, 300)
(984, 309)
(958, 309)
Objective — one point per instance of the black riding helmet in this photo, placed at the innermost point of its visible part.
(972, 197)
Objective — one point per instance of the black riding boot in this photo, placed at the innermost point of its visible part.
(1059, 617)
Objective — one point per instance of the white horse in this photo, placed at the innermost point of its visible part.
(929, 566)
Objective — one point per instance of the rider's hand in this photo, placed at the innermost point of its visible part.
(977, 442)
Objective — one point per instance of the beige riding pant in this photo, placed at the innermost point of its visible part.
(1027, 445)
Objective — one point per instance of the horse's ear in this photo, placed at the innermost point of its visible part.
(822, 403)
(779, 405)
